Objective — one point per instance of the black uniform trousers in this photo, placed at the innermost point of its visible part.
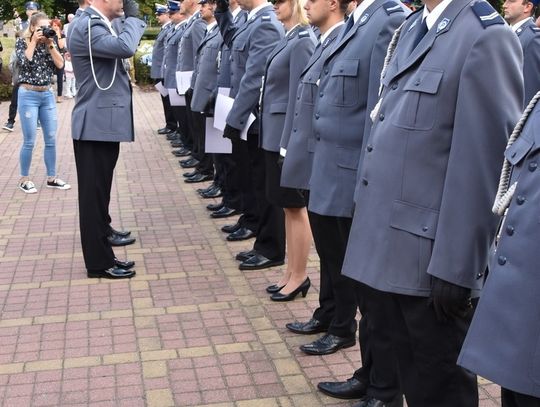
(239, 177)
(270, 240)
(95, 162)
(337, 296)
(170, 121)
(198, 127)
(512, 399)
(223, 163)
(427, 351)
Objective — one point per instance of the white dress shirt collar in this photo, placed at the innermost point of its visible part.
(360, 9)
(520, 23)
(433, 15)
(210, 26)
(256, 10)
(327, 33)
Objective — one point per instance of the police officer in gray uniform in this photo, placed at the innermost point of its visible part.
(104, 95)
(250, 46)
(422, 226)
(172, 41)
(503, 341)
(156, 71)
(519, 14)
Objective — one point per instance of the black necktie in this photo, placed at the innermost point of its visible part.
(421, 32)
(348, 26)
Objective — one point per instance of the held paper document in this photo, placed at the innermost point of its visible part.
(183, 81)
(176, 99)
(215, 142)
(161, 89)
(224, 105)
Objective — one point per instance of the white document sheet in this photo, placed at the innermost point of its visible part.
(183, 81)
(224, 91)
(161, 89)
(176, 99)
(214, 140)
(224, 105)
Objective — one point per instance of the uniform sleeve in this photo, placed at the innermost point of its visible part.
(263, 40)
(226, 26)
(531, 61)
(488, 105)
(300, 56)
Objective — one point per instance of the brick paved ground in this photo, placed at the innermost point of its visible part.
(189, 330)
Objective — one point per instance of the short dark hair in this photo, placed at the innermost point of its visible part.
(343, 4)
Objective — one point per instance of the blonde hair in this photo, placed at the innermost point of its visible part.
(27, 34)
(299, 13)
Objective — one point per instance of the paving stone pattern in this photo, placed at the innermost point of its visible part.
(189, 330)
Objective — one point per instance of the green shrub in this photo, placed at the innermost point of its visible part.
(151, 33)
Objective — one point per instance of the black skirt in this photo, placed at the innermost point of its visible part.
(275, 193)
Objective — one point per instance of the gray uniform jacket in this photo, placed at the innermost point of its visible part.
(529, 37)
(172, 42)
(103, 115)
(349, 84)
(158, 52)
(431, 165)
(503, 342)
(191, 38)
(224, 60)
(281, 77)
(251, 45)
(206, 70)
(300, 144)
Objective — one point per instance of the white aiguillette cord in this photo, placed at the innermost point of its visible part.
(92, 60)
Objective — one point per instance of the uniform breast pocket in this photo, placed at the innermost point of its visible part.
(308, 91)
(417, 109)
(344, 85)
(110, 109)
(238, 53)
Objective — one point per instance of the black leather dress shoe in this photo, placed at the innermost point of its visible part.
(328, 344)
(350, 389)
(223, 213)
(214, 193)
(116, 240)
(371, 402)
(165, 130)
(126, 265)
(301, 289)
(243, 256)
(177, 144)
(191, 163)
(199, 178)
(181, 152)
(208, 188)
(231, 228)
(313, 326)
(274, 288)
(240, 234)
(190, 174)
(113, 272)
(123, 233)
(174, 136)
(215, 207)
(259, 262)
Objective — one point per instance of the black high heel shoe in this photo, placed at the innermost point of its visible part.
(274, 288)
(303, 288)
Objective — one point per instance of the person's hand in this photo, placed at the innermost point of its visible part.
(209, 108)
(450, 301)
(280, 161)
(189, 93)
(131, 8)
(222, 6)
(231, 133)
(37, 36)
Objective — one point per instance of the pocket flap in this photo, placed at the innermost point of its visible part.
(346, 67)
(239, 46)
(348, 157)
(414, 219)
(518, 150)
(278, 108)
(425, 80)
(109, 102)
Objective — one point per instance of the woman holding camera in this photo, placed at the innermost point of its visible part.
(38, 58)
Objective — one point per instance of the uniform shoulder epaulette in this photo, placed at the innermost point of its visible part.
(392, 7)
(486, 14)
(303, 33)
(418, 10)
(265, 18)
(534, 29)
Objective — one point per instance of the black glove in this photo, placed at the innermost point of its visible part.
(189, 93)
(222, 6)
(280, 161)
(449, 300)
(231, 133)
(131, 8)
(209, 108)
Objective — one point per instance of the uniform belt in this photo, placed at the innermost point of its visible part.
(37, 88)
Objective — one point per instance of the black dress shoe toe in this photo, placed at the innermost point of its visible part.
(214, 193)
(199, 178)
(191, 163)
(173, 137)
(274, 288)
(123, 233)
(371, 402)
(215, 207)
(328, 344)
(240, 234)
(258, 262)
(310, 327)
(190, 174)
(231, 228)
(113, 273)
(165, 130)
(181, 152)
(243, 256)
(350, 389)
(126, 265)
(301, 289)
(116, 240)
(223, 213)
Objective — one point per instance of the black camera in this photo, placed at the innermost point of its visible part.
(47, 32)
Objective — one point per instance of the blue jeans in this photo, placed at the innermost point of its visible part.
(34, 105)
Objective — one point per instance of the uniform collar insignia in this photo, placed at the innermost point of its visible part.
(364, 18)
(442, 25)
